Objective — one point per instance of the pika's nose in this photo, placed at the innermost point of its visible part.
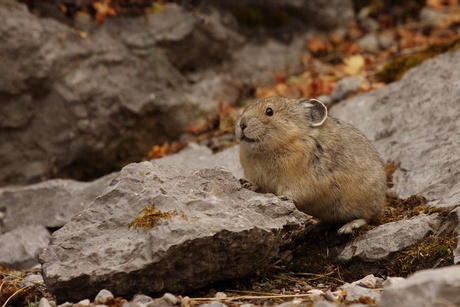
(243, 124)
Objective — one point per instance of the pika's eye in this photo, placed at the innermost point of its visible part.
(269, 112)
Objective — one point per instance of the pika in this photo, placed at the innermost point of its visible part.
(329, 169)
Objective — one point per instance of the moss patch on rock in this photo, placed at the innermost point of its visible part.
(395, 69)
(149, 216)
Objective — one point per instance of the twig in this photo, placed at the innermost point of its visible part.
(318, 276)
(251, 292)
(249, 297)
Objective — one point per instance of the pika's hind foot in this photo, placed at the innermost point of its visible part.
(348, 227)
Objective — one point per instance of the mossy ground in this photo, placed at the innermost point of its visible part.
(307, 261)
(13, 293)
(435, 251)
(255, 16)
(396, 68)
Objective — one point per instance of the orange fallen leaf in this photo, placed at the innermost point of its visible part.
(319, 47)
(103, 8)
(201, 127)
(354, 31)
(158, 151)
(349, 48)
(279, 78)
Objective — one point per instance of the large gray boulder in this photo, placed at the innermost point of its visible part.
(80, 102)
(414, 122)
(427, 288)
(215, 230)
(78, 106)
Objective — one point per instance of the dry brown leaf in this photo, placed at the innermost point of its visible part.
(158, 151)
(103, 8)
(441, 4)
(411, 39)
(354, 64)
(349, 48)
(319, 47)
(354, 31)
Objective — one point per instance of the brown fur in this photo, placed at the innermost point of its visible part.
(329, 169)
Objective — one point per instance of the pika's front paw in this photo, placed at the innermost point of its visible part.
(284, 197)
(249, 185)
(348, 227)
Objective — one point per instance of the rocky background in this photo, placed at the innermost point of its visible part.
(80, 98)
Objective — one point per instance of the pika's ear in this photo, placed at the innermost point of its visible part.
(314, 111)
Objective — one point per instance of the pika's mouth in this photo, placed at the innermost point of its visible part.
(247, 140)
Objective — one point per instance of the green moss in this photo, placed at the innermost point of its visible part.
(249, 16)
(400, 11)
(432, 252)
(395, 69)
(254, 16)
(277, 19)
(13, 294)
(148, 216)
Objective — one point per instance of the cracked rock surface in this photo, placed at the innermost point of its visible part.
(215, 231)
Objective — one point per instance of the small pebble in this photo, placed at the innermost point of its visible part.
(186, 301)
(83, 303)
(103, 296)
(315, 294)
(369, 42)
(293, 303)
(171, 299)
(355, 292)
(31, 280)
(368, 281)
(392, 280)
(324, 304)
(387, 39)
(345, 87)
(213, 304)
(141, 298)
(329, 296)
(44, 303)
(220, 295)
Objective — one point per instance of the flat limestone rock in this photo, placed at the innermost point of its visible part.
(211, 229)
(378, 243)
(50, 203)
(426, 288)
(18, 248)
